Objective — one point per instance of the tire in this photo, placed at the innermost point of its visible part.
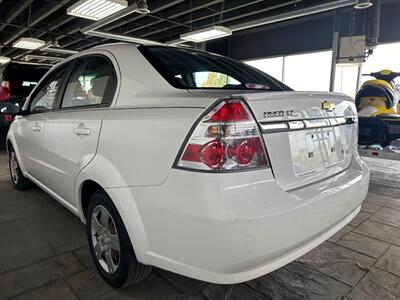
(117, 268)
(20, 182)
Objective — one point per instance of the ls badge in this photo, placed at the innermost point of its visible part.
(328, 106)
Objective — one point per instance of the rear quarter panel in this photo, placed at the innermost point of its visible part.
(138, 146)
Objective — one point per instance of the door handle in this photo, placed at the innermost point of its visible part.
(82, 131)
(36, 128)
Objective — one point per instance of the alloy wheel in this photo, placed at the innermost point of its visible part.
(14, 167)
(105, 239)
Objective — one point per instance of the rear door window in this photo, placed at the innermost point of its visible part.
(92, 83)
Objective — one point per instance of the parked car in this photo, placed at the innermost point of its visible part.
(16, 82)
(188, 161)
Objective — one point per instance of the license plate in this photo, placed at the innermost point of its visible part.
(317, 149)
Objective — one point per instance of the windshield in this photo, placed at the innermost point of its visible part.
(194, 69)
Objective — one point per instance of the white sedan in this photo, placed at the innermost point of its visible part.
(188, 161)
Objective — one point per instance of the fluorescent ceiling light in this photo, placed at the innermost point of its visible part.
(96, 9)
(28, 43)
(4, 60)
(206, 34)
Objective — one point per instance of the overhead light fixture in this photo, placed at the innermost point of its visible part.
(96, 9)
(206, 34)
(142, 7)
(4, 60)
(28, 43)
(363, 4)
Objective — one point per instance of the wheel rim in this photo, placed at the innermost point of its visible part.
(105, 239)
(14, 167)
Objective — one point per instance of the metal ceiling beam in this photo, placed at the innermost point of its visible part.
(295, 14)
(201, 15)
(154, 7)
(93, 29)
(231, 16)
(60, 21)
(186, 9)
(177, 12)
(17, 9)
(41, 14)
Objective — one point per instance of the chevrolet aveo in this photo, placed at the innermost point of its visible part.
(188, 161)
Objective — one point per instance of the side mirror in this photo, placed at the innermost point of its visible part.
(10, 108)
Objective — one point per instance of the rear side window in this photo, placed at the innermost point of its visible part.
(193, 69)
(47, 93)
(92, 83)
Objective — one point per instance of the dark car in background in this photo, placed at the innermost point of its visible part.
(16, 82)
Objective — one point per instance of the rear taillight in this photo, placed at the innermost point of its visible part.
(8, 118)
(227, 138)
(4, 90)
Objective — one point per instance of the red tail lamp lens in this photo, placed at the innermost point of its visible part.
(245, 152)
(5, 90)
(192, 153)
(212, 154)
(8, 118)
(230, 112)
(226, 139)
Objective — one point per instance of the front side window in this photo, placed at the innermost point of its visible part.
(193, 69)
(44, 99)
(91, 83)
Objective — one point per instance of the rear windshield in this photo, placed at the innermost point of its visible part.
(194, 69)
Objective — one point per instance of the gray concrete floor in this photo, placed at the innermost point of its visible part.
(44, 255)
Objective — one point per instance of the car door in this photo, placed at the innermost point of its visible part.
(72, 131)
(30, 128)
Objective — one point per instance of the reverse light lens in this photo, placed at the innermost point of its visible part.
(227, 138)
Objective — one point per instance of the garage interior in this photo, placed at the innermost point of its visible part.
(43, 247)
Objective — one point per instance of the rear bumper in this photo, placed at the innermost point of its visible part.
(230, 228)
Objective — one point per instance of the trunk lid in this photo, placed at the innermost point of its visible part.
(309, 136)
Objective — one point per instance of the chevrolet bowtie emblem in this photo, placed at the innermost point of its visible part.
(328, 106)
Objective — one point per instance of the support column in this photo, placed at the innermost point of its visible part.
(335, 50)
